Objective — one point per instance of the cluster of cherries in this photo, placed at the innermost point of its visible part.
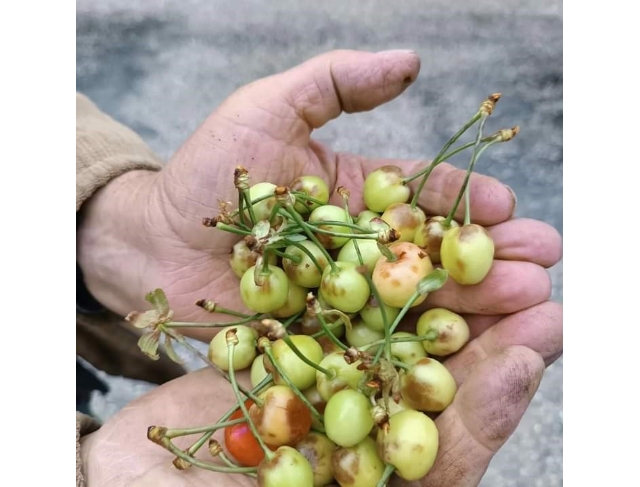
(342, 394)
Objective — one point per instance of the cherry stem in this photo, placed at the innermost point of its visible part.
(231, 345)
(312, 257)
(388, 471)
(241, 214)
(345, 198)
(301, 195)
(364, 235)
(262, 267)
(274, 212)
(432, 335)
(201, 441)
(296, 259)
(306, 227)
(167, 444)
(400, 364)
(476, 153)
(174, 433)
(297, 392)
(383, 312)
(447, 156)
(176, 324)
(231, 229)
(301, 356)
(465, 185)
(213, 307)
(227, 461)
(440, 157)
(326, 330)
(247, 200)
(180, 339)
(395, 324)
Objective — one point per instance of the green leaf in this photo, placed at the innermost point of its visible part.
(158, 300)
(386, 252)
(168, 347)
(432, 282)
(148, 319)
(296, 238)
(261, 229)
(148, 344)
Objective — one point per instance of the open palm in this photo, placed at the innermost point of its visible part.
(266, 126)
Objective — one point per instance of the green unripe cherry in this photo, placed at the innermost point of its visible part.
(244, 352)
(467, 253)
(404, 219)
(410, 444)
(450, 329)
(407, 352)
(305, 272)
(287, 468)
(359, 465)
(428, 386)
(301, 374)
(347, 418)
(258, 372)
(383, 187)
(371, 314)
(345, 289)
(368, 250)
(331, 213)
(429, 236)
(314, 187)
(269, 293)
(347, 376)
(318, 449)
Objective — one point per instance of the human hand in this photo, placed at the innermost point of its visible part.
(144, 231)
(497, 372)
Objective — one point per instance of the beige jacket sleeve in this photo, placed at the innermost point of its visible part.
(105, 149)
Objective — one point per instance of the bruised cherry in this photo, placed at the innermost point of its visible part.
(242, 258)
(467, 253)
(384, 187)
(286, 468)
(404, 219)
(345, 288)
(410, 443)
(397, 280)
(358, 465)
(314, 187)
(450, 329)
(428, 386)
(283, 418)
(429, 236)
(318, 449)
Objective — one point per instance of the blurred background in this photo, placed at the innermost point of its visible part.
(161, 67)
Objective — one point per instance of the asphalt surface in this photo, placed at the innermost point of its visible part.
(161, 67)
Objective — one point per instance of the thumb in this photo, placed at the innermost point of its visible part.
(323, 87)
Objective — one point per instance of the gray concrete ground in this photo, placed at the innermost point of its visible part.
(162, 66)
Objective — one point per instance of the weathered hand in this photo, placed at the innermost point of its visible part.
(498, 373)
(144, 230)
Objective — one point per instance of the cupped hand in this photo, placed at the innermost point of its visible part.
(497, 372)
(144, 230)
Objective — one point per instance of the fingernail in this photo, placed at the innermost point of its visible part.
(514, 198)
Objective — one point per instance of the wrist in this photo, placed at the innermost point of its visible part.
(110, 235)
